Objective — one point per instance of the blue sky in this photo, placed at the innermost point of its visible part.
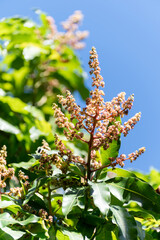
(126, 35)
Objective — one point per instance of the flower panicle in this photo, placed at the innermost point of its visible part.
(101, 120)
(132, 156)
(71, 36)
(8, 173)
(5, 173)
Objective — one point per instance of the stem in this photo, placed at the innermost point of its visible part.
(94, 234)
(108, 165)
(90, 145)
(89, 159)
(49, 199)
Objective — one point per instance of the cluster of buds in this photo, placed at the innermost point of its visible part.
(101, 120)
(16, 191)
(24, 179)
(8, 173)
(131, 123)
(28, 208)
(66, 182)
(132, 157)
(61, 159)
(45, 163)
(44, 215)
(72, 36)
(4, 172)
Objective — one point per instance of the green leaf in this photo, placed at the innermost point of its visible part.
(7, 233)
(149, 237)
(101, 196)
(131, 188)
(20, 80)
(38, 230)
(10, 205)
(73, 198)
(77, 169)
(137, 211)
(104, 232)
(141, 232)
(31, 219)
(122, 172)
(93, 219)
(25, 165)
(125, 222)
(35, 112)
(61, 236)
(30, 52)
(35, 133)
(8, 127)
(85, 227)
(6, 219)
(37, 183)
(15, 104)
(111, 152)
(55, 206)
(73, 235)
(52, 233)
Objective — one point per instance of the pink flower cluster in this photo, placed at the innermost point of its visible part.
(8, 173)
(72, 36)
(101, 120)
(4, 172)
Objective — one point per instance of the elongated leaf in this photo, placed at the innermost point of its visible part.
(35, 112)
(131, 188)
(73, 235)
(101, 196)
(138, 212)
(25, 165)
(119, 172)
(77, 169)
(7, 233)
(9, 205)
(126, 223)
(72, 198)
(8, 127)
(15, 104)
(6, 219)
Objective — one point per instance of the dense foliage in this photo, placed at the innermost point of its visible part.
(37, 63)
(73, 186)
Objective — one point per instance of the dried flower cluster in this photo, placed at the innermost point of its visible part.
(44, 215)
(102, 120)
(8, 173)
(60, 160)
(4, 172)
(72, 36)
(19, 191)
